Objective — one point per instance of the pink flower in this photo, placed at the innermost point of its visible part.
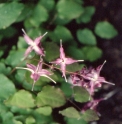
(36, 72)
(89, 78)
(33, 45)
(63, 61)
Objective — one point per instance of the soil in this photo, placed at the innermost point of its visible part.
(110, 109)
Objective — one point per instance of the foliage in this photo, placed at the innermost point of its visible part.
(18, 104)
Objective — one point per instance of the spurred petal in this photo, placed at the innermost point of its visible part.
(57, 62)
(37, 40)
(26, 69)
(70, 61)
(29, 49)
(44, 71)
(63, 69)
(49, 78)
(31, 66)
(27, 38)
(62, 54)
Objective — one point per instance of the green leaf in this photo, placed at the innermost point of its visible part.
(61, 32)
(105, 30)
(30, 120)
(90, 115)
(15, 57)
(75, 52)
(8, 15)
(70, 112)
(52, 51)
(86, 36)
(21, 43)
(39, 15)
(66, 88)
(75, 121)
(5, 33)
(50, 96)
(25, 13)
(22, 99)
(71, 68)
(46, 110)
(48, 4)
(69, 9)
(7, 118)
(87, 14)
(3, 69)
(61, 21)
(91, 53)
(81, 94)
(17, 122)
(7, 88)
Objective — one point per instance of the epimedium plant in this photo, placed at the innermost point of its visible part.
(32, 87)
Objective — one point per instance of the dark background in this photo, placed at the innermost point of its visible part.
(110, 10)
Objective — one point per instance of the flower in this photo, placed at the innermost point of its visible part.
(63, 61)
(36, 72)
(33, 45)
(89, 78)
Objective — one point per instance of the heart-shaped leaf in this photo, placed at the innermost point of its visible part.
(90, 115)
(50, 96)
(105, 30)
(86, 36)
(22, 99)
(81, 94)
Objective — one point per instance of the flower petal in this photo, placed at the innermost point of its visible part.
(31, 66)
(29, 49)
(27, 38)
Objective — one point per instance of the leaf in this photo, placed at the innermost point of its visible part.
(48, 4)
(30, 120)
(52, 51)
(8, 15)
(61, 32)
(91, 53)
(81, 94)
(50, 96)
(77, 66)
(7, 88)
(3, 69)
(21, 43)
(46, 110)
(75, 121)
(90, 115)
(86, 36)
(5, 33)
(15, 57)
(105, 30)
(39, 15)
(7, 118)
(66, 88)
(75, 52)
(61, 21)
(70, 112)
(69, 9)
(87, 14)
(22, 99)
(25, 13)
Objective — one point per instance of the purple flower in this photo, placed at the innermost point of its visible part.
(36, 72)
(33, 45)
(63, 61)
(89, 78)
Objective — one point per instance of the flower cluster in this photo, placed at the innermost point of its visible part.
(37, 71)
(89, 78)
